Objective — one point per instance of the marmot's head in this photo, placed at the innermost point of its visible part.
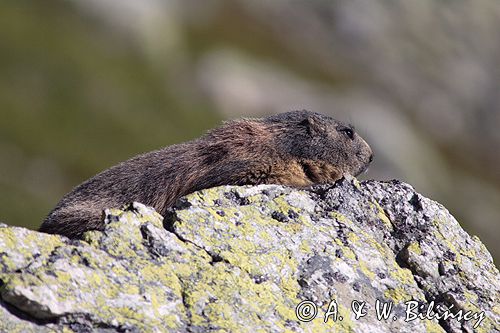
(310, 136)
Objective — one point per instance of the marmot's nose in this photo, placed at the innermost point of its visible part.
(370, 158)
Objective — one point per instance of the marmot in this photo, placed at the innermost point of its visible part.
(297, 148)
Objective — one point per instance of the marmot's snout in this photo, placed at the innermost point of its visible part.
(365, 164)
(364, 155)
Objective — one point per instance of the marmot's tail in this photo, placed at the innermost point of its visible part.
(72, 223)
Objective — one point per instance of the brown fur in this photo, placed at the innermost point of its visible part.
(298, 148)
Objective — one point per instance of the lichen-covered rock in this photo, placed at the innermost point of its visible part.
(241, 259)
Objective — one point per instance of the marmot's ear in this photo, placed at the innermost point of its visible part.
(312, 125)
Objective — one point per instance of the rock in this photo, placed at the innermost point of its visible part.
(241, 259)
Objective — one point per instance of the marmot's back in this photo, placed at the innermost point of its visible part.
(298, 148)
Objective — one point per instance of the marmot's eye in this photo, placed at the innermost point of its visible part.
(348, 131)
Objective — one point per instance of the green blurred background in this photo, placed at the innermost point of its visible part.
(86, 84)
